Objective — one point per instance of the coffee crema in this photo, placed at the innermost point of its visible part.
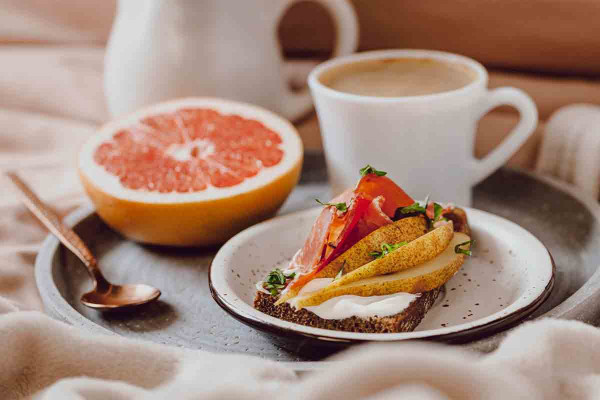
(398, 77)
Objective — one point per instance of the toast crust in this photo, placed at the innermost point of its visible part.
(405, 321)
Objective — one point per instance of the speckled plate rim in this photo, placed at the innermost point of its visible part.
(56, 306)
(225, 295)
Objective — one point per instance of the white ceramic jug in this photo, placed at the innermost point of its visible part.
(164, 49)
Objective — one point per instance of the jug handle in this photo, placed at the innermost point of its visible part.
(298, 104)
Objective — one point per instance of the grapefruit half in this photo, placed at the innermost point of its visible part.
(192, 171)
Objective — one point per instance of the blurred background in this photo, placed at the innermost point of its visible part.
(51, 64)
(52, 99)
(549, 48)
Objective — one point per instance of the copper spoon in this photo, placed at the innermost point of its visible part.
(104, 295)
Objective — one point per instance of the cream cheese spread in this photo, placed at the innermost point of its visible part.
(347, 306)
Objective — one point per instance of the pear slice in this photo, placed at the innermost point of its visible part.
(425, 277)
(404, 230)
(416, 252)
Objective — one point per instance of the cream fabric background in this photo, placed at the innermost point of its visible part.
(51, 100)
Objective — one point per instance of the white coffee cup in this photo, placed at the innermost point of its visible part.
(164, 49)
(424, 142)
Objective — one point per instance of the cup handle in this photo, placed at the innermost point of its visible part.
(520, 133)
(346, 26)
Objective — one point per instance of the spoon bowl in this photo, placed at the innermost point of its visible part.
(105, 295)
(119, 296)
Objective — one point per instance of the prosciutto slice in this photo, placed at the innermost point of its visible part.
(370, 205)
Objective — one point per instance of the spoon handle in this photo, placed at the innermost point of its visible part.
(54, 224)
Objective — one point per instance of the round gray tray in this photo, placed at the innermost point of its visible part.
(568, 223)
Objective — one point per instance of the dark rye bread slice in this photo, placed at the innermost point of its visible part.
(406, 321)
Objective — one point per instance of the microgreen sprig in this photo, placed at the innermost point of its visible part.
(276, 280)
(416, 207)
(341, 207)
(458, 250)
(386, 249)
(421, 207)
(437, 211)
(370, 170)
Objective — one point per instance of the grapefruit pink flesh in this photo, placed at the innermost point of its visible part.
(192, 171)
(189, 149)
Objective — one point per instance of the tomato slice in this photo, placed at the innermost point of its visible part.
(373, 186)
(335, 232)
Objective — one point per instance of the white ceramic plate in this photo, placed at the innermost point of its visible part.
(510, 274)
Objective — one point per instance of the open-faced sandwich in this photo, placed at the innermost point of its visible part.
(374, 261)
